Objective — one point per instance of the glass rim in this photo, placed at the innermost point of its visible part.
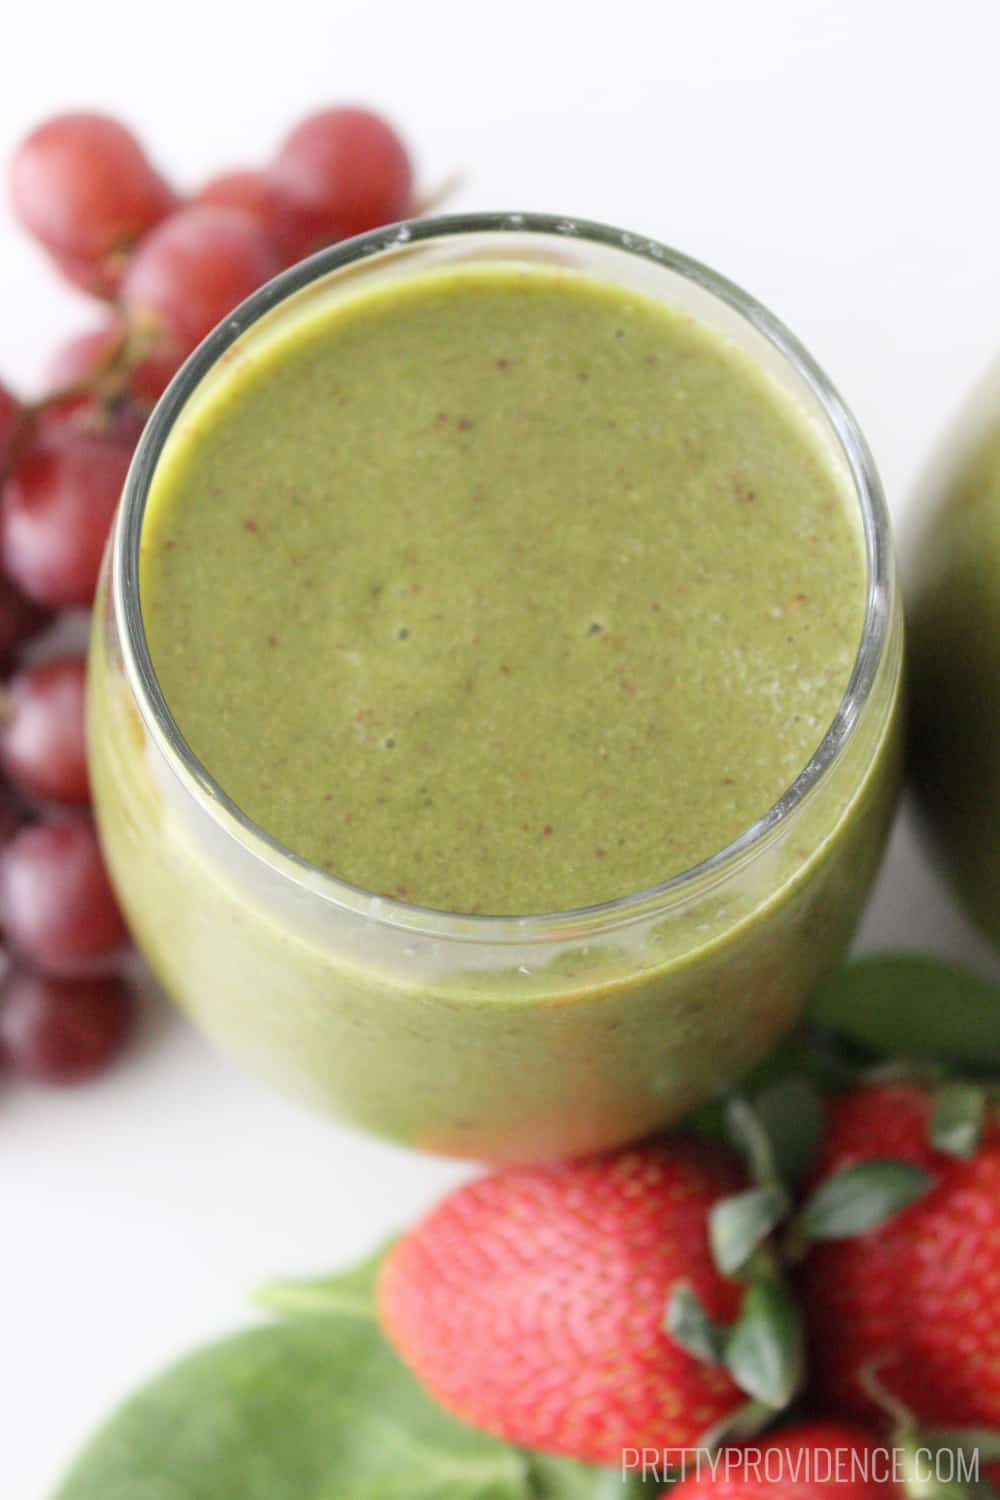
(662, 896)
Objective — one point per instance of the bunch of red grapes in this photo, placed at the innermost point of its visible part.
(166, 269)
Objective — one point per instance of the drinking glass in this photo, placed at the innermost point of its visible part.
(507, 1038)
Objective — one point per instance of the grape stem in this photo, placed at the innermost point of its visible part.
(434, 197)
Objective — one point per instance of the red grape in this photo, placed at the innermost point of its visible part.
(150, 379)
(244, 188)
(81, 358)
(266, 199)
(10, 421)
(56, 901)
(58, 504)
(63, 1031)
(346, 171)
(112, 405)
(20, 618)
(42, 738)
(79, 362)
(13, 813)
(98, 278)
(82, 184)
(120, 418)
(193, 270)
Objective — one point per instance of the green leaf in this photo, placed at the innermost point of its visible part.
(765, 1349)
(564, 1479)
(956, 1125)
(746, 1132)
(350, 1291)
(858, 1198)
(689, 1325)
(736, 1426)
(923, 1477)
(737, 1225)
(792, 1112)
(314, 1408)
(810, 1053)
(982, 1440)
(909, 1004)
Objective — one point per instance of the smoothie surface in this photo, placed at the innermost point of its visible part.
(500, 590)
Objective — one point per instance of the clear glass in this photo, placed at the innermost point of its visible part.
(495, 1037)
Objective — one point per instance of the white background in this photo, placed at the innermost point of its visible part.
(841, 160)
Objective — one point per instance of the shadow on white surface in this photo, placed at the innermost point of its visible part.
(912, 907)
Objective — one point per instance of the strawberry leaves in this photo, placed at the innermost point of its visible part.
(690, 1326)
(956, 1125)
(792, 1113)
(739, 1225)
(858, 1198)
(765, 1349)
(779, 1135)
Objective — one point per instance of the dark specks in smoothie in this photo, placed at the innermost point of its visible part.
(457, 558)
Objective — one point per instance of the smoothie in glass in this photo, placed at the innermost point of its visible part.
(494, 711)
(954, 616)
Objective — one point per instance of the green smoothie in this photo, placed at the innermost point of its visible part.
(954, 616)
(501, 591)
(484, 595)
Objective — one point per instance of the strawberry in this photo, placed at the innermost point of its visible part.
(531, 1302)
(918, 1297)
(810, 1461)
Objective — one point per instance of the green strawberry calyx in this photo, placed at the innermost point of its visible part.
(757, 1234)
(958, 1118)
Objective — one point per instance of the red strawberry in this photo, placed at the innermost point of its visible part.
(919, 1296)
(811, 1461)
(531, 1301)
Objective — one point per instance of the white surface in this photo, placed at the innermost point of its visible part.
(841, 160)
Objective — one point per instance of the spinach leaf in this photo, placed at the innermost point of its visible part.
(316, 1407)
(907, 1004)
